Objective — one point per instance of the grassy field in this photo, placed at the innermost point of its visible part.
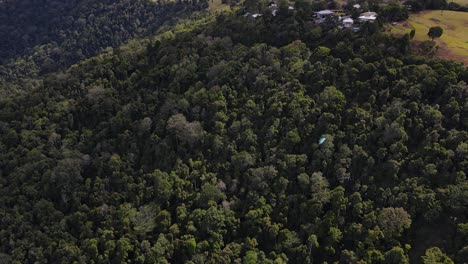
(216, 5)
(454, 41)
(341, 2)
(460, 2)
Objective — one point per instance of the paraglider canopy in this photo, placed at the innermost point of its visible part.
(321, 140)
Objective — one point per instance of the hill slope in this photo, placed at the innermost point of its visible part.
(49, 35)
(203, 147)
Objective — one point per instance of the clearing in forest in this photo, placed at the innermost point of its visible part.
(453, 44)
(460, 2)
(217, 5)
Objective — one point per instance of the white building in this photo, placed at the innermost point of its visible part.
(368, 17)
(348, 22)
(322, 15)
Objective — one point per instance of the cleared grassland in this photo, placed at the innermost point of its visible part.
(217, 5)
(454, 41)
(460, 2)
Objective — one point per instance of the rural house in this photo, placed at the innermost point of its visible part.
(322, 15)
(348, 22)
(368, 17)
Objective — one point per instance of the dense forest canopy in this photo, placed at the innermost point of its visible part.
(44, 36)
(203, 147)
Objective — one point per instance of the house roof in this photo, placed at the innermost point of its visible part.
(348, 20)
(369, 14)
(357, 6)
(325, 12)
(366, 18)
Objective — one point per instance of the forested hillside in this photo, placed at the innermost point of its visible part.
(44, 36)
(204, 148)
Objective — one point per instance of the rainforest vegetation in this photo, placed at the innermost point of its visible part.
(202, 146)
(40, 37)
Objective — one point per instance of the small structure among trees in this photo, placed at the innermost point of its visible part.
(348, 22)
(323, 15)
(368, 17)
